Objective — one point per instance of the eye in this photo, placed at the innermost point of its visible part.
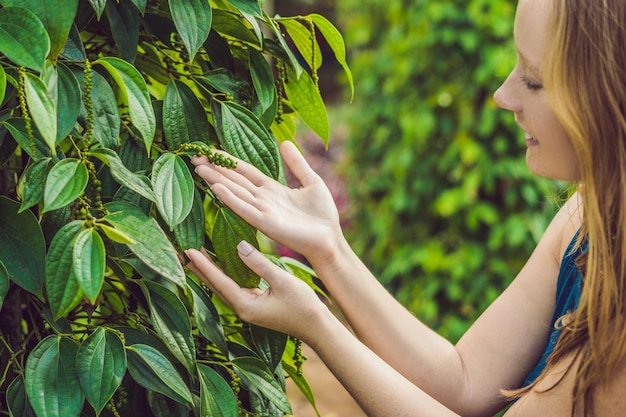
(530, 84)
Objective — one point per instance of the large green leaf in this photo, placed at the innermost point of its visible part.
(184, 117)
(101, 365)
(173, 187)
(243, 135)
(42, 109)
(228, 230)
(106, 121)
(306, 100)
(17, 402)
(51, 379)
(32, 181)
(62, 287)
(66, 181)
(57, 17)
(262, 79)
(4, 283)
(216, 396)
(262, 378)
(152, 245)
(153, 371)
(134, 93)
(68, 101)
(124, 21)
(22, 247)
(23, 38)
(336, 43)
(190, 232)
(207, 317)
(89, 263)
(136, 182)
(301, 37)
(171, 321)
(269, 344)
(193, 22)
(35, 148)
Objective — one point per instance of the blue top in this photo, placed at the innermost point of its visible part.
(568, 289)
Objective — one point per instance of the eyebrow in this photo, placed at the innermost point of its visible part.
(533, 68)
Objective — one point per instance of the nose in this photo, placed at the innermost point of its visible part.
(507, 96)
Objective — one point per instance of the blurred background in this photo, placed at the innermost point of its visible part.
(429, 175)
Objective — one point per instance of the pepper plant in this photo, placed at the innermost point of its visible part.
(102, 104)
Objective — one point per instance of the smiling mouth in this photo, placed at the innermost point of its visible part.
(530, 140)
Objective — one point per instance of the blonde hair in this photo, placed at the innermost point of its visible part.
(585, 78)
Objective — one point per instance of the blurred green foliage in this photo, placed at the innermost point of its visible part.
(445, 211)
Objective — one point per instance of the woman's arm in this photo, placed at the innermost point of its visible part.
(290, 306)
(496, 352)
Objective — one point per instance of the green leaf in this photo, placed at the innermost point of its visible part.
(4, 283)
(152, 245)
(247, 6)
(62, 287)
(74, 50)
(66, 181)
(153, 371)
(32, 181)
(269, 344)
(263, 379)
(336, 43)
(57, 17)
(22, 247)
(193, 22)
(263, 79)
(115, 235)
(306, 100)
(23, 38)
(301, 37)
(173, 188)
(302, 385)
(230, 25)
(228, 230)
(17, 402)
(101, 366)
(124, 21)
(136, 182)
(3, 84)
(207, 317)
(36, 148)
(106, 122)
(68, 101)
(184, 117)
(89, 263)
(171, 321)
(42, 109)
(98, 7)
(190, 232)
(293, 61)
(243, 135)
(51, 380)
(133, 92)
(216, 396)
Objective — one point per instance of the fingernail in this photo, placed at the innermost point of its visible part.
(245, 248)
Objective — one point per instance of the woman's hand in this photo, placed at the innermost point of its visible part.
(304, 219)
(289, 305)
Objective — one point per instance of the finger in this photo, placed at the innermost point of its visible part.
(260, 264)
(220, 283)
(238, 185)
(297, 164)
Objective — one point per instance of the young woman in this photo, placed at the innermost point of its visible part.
(555, 340)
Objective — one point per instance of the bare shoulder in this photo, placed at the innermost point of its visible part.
(552, 397)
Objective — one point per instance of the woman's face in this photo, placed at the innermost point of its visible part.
(549, 150)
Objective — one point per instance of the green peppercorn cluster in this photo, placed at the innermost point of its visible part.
(213, 157)
(298, 357)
